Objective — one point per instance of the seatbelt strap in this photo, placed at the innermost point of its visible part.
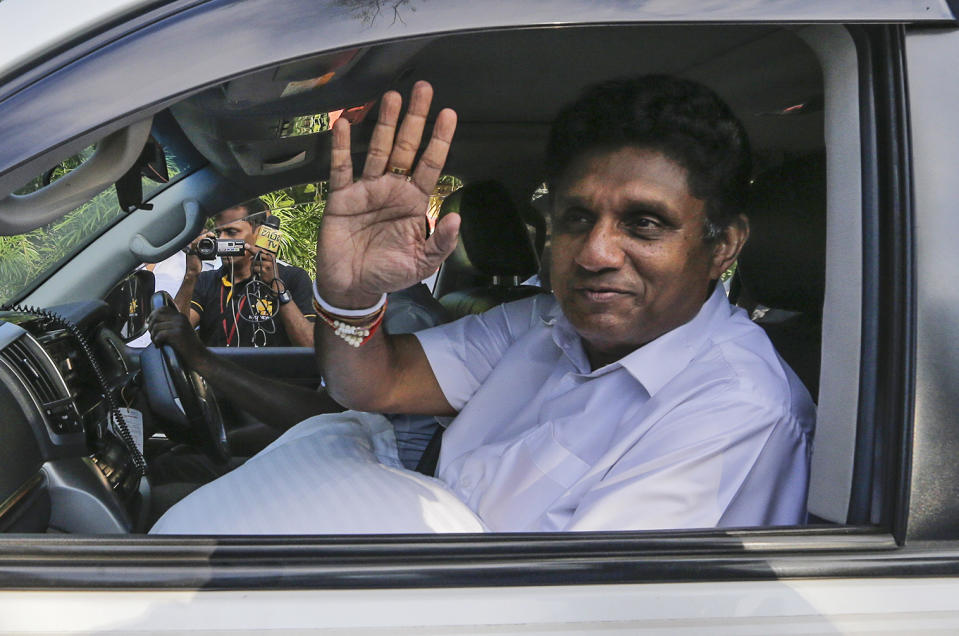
(431, 456)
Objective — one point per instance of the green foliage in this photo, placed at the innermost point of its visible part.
(18, 254)
(299, 209)
(25, 258)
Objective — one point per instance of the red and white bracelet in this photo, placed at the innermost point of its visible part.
(355, 326)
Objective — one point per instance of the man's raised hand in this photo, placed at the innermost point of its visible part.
(373, 235)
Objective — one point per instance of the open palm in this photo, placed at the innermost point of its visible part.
(372, 238)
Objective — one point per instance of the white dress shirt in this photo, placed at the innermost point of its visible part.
(705, 426)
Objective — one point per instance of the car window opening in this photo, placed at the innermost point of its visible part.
(270, 129)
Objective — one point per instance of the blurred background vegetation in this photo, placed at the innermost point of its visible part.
(24, 257)
(300, 209)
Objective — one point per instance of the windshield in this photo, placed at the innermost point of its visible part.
(27, 259)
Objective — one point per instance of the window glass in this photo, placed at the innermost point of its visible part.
(26, 259)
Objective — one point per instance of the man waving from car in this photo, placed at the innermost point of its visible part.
(634, 398)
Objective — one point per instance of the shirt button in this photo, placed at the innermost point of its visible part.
(466, 483)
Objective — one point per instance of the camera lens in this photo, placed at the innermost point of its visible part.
(206, 248)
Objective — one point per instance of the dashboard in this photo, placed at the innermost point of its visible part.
(65, 468)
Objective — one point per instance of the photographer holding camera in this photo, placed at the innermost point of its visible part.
(251, 300)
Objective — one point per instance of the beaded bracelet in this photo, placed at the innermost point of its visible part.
(322, 305)
(354, 332)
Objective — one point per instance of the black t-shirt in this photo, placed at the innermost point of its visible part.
(226, 319)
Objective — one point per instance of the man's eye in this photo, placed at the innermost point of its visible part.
(575, 219)
(643, 225)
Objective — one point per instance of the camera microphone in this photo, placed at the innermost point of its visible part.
(269, 236)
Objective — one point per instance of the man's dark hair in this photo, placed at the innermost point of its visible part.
(684, 120)
(256, 211)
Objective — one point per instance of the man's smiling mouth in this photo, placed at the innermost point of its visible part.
(600, 294)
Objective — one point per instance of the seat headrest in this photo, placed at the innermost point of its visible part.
(493, 236)
(783, 265)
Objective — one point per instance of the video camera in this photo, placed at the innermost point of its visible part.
(269, 237)
(208, 248)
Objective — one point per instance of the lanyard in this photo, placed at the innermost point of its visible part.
(232, 332)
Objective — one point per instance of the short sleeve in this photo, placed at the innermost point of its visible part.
(300, 286)
(463, 353)
(201, 291)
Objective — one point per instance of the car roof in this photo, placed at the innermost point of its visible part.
(199, 31)
(30, 29)
(504, 109)
(123, 79)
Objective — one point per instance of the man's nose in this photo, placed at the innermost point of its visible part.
(601, 249)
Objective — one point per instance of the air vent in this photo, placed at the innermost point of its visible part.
(34, 370)
(27, 359)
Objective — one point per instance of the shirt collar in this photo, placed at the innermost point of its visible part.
(657, 362)
(224, 274)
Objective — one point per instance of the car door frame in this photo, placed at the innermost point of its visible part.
(896, 547)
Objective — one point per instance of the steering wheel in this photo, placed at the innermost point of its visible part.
(185, 402)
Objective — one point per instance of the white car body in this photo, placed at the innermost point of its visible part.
(900, 575)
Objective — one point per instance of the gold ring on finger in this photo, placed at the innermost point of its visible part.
(399, 171)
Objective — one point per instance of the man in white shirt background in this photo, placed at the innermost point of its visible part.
(635, 397)
(638, 398)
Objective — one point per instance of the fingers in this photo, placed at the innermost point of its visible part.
(162, 314)
(202, 235)
(391, 149)
(168, 326)
(411, 130)
(159, 320)
(443, 240)
(434, 157)
(341, 163)
(381, 143)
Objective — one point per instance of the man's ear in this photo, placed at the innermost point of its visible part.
(727, 247)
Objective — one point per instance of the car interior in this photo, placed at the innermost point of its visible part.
(798, 277)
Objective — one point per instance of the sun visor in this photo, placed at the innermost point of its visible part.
(113, 157)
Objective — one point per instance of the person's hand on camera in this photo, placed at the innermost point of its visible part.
(170, 327)
(372, 238)
(193, 263)
(263, 264)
